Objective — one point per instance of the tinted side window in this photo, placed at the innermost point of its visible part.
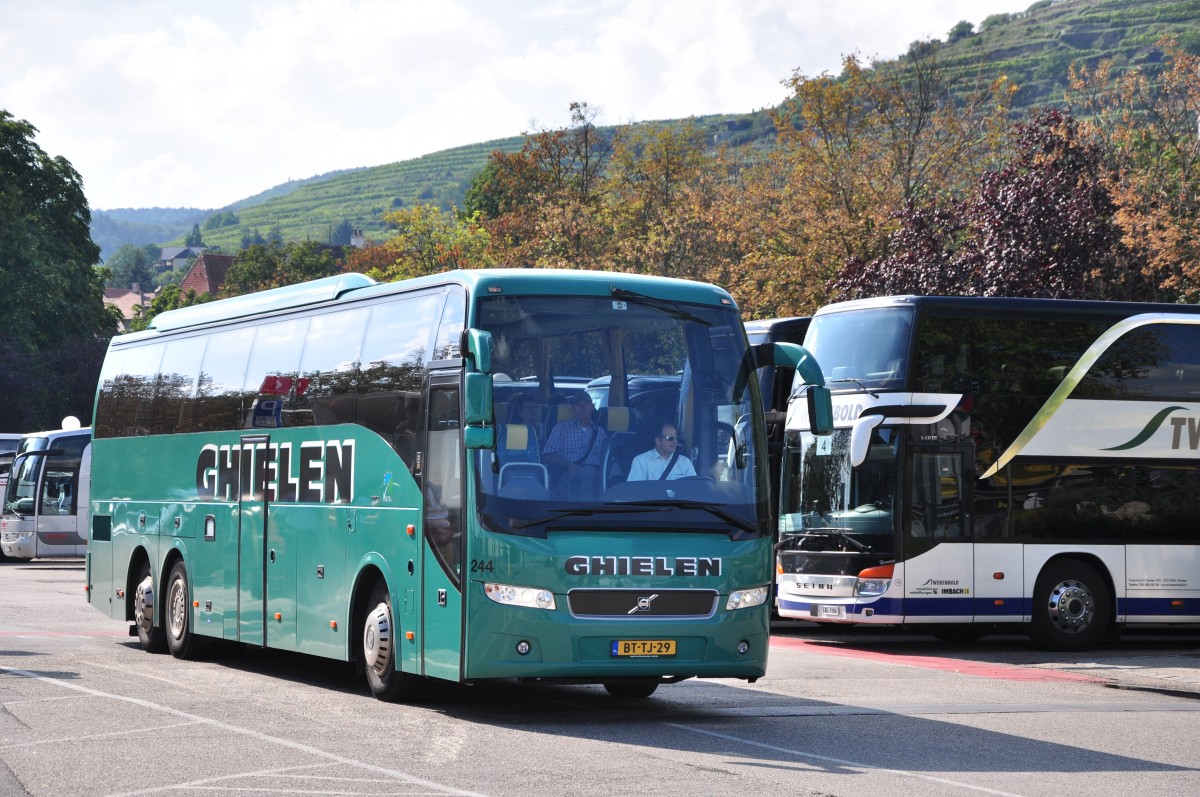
(272, 373)
(998, 355)
(140, 383)
(393, 368)
(329, 368)
(1160, 361)
(450, 329)
(174, 398)
(111, 416)
(219, 389)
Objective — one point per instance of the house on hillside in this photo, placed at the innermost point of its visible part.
(125, 300)
(207, 274)
(177, 257)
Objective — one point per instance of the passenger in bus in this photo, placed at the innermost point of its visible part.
(663, 462)
(524, 410)
(575, 449)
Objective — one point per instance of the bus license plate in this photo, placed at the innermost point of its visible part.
(643, 647)
(832, 612)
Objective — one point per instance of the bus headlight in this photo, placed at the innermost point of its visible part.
(874, 581)
(745, 598)
(528, 597)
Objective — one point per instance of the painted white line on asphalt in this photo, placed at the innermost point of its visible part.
(93, 736)
(841, 761)
(263, 737)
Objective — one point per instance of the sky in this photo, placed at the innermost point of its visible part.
(201, 103)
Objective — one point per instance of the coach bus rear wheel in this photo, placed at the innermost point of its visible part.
(181, 641)
(152, 638)
(379, 643)
(1072, 607)
(631, 690)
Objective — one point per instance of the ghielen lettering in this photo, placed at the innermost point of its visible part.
(643, 566)
(310, 472)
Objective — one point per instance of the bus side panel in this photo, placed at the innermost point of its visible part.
(321, 583)
(939, 584)
(1162, 584)
(999, 583)
(212, 544)
(289, 530)
(98, 563)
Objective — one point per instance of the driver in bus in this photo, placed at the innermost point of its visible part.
(662, 462)
(575, 449)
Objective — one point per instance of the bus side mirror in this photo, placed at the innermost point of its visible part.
(479, 349)
(860, 438)
(478, 394)
(820, 410)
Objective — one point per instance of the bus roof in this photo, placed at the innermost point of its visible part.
(1011, 305)
(519, 281)
(773, 329)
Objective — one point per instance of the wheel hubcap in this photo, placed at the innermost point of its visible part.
(1071, 606)
(143, 605)
(377, 639)
(177, 611)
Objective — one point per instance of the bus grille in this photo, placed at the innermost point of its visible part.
(642, 602)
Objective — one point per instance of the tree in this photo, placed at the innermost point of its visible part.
(194, 238)
(962, 30)
(132, 265)
(273, 265)
(46, 270)
(541, 206)
(1043, 224)
(854, 152)
(655, 201)
(341, 234)
(1148, 124)
(169, 298)
(426, 242)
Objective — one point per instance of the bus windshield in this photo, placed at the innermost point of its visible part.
(675, 429)
(861, 350)
(823, 496)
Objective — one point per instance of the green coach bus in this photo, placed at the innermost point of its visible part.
(337, 468)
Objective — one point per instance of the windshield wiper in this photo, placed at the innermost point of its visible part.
(676, 503)
(668, 307)
(868, 390)
(580, 512)
(823, 534)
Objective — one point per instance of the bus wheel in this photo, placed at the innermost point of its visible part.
(153, 639)
(631, 690)
(1071, 607)
(379, 650)
(181, 641)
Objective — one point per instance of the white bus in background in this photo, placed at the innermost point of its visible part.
(8, 450)
(45, 500)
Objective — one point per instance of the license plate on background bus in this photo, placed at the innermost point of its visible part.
(643, 647)
(832, 612)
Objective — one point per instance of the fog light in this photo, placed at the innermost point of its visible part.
(743, 647)
(523, 647)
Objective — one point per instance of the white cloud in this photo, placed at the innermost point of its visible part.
(204, 103)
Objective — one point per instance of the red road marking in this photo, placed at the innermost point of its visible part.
(980, 669)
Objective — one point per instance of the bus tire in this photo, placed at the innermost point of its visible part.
(631, 690)
(1072, 607)
(379, 641)
(181, 640)
(145, 604)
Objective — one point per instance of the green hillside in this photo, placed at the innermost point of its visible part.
(1033, 48)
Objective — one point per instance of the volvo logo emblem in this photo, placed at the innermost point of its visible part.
(643, 604)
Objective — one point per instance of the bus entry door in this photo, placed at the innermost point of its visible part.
(938, 558)
(442, 553)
